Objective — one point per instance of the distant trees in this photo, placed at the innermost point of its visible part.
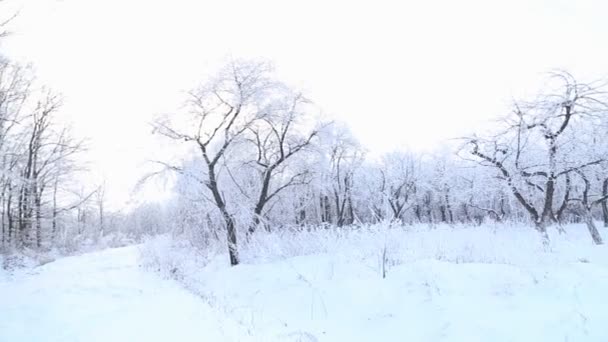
(278, 137)
(37, 159)
(263, 162)
(345, 156)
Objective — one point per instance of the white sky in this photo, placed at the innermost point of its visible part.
(402, 74)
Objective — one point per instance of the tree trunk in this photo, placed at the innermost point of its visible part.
(38, 204)
(101, 220)
(562, 209)
(605, 203)
(448, 207)
(541, 227)
(595, 234)
(465, 210)
(548, 213)
(443, 214)
(262, 199)
(257, 212)
(325, 209)
(301, 217)
(232, 244)
(54, 218)
(9, 214)
(3, 214)
(351, 211)
(418, 213)
(228, 219)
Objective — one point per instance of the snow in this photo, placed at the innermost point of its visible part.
(335, 299)
(103, 296)
(462, 288)
(443, 284)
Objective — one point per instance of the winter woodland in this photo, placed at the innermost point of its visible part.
(268, 177)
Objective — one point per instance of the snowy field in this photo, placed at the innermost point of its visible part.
(103, 296)
(496, 283)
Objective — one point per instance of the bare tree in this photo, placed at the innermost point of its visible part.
(345, 157)
(531, 170)
(397, 173)
(220, 112)
(277, 139)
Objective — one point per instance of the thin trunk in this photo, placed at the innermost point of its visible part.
(338, 211)
(465, 210)
(548, 213)
(262, 199)
(326, 207)
(9, 214)
(232, 243)
(54, 218)
(562, 209)
(604, 203)
(541, 227)
(322, 209)
(301, 218)
(101, 220)
(448, 206)
(418, 213)
(443, 213)
(503, 213)
(595, 234)
(3, 214)
(351, 211)
(228, 219)
(38, 204)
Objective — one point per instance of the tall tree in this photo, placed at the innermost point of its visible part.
(220, 112)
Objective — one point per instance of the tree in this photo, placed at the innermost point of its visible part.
(345, 156)
(277, 138)
(531, 153)
(396, 179)
(220, 112)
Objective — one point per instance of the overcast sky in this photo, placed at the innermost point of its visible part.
(402, 74)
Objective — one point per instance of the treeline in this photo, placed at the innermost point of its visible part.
(41, 203)
(263, 161)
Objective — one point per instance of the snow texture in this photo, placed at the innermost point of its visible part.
(103, 296)
(517, 292)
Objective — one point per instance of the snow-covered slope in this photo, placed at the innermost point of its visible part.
(335, 299)
(527, 295)
(442, 284)
(104, 296)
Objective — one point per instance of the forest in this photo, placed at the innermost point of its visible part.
(261, 159)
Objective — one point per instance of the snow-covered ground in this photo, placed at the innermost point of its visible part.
(104, 296)
(442, 284)
(491, 283)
